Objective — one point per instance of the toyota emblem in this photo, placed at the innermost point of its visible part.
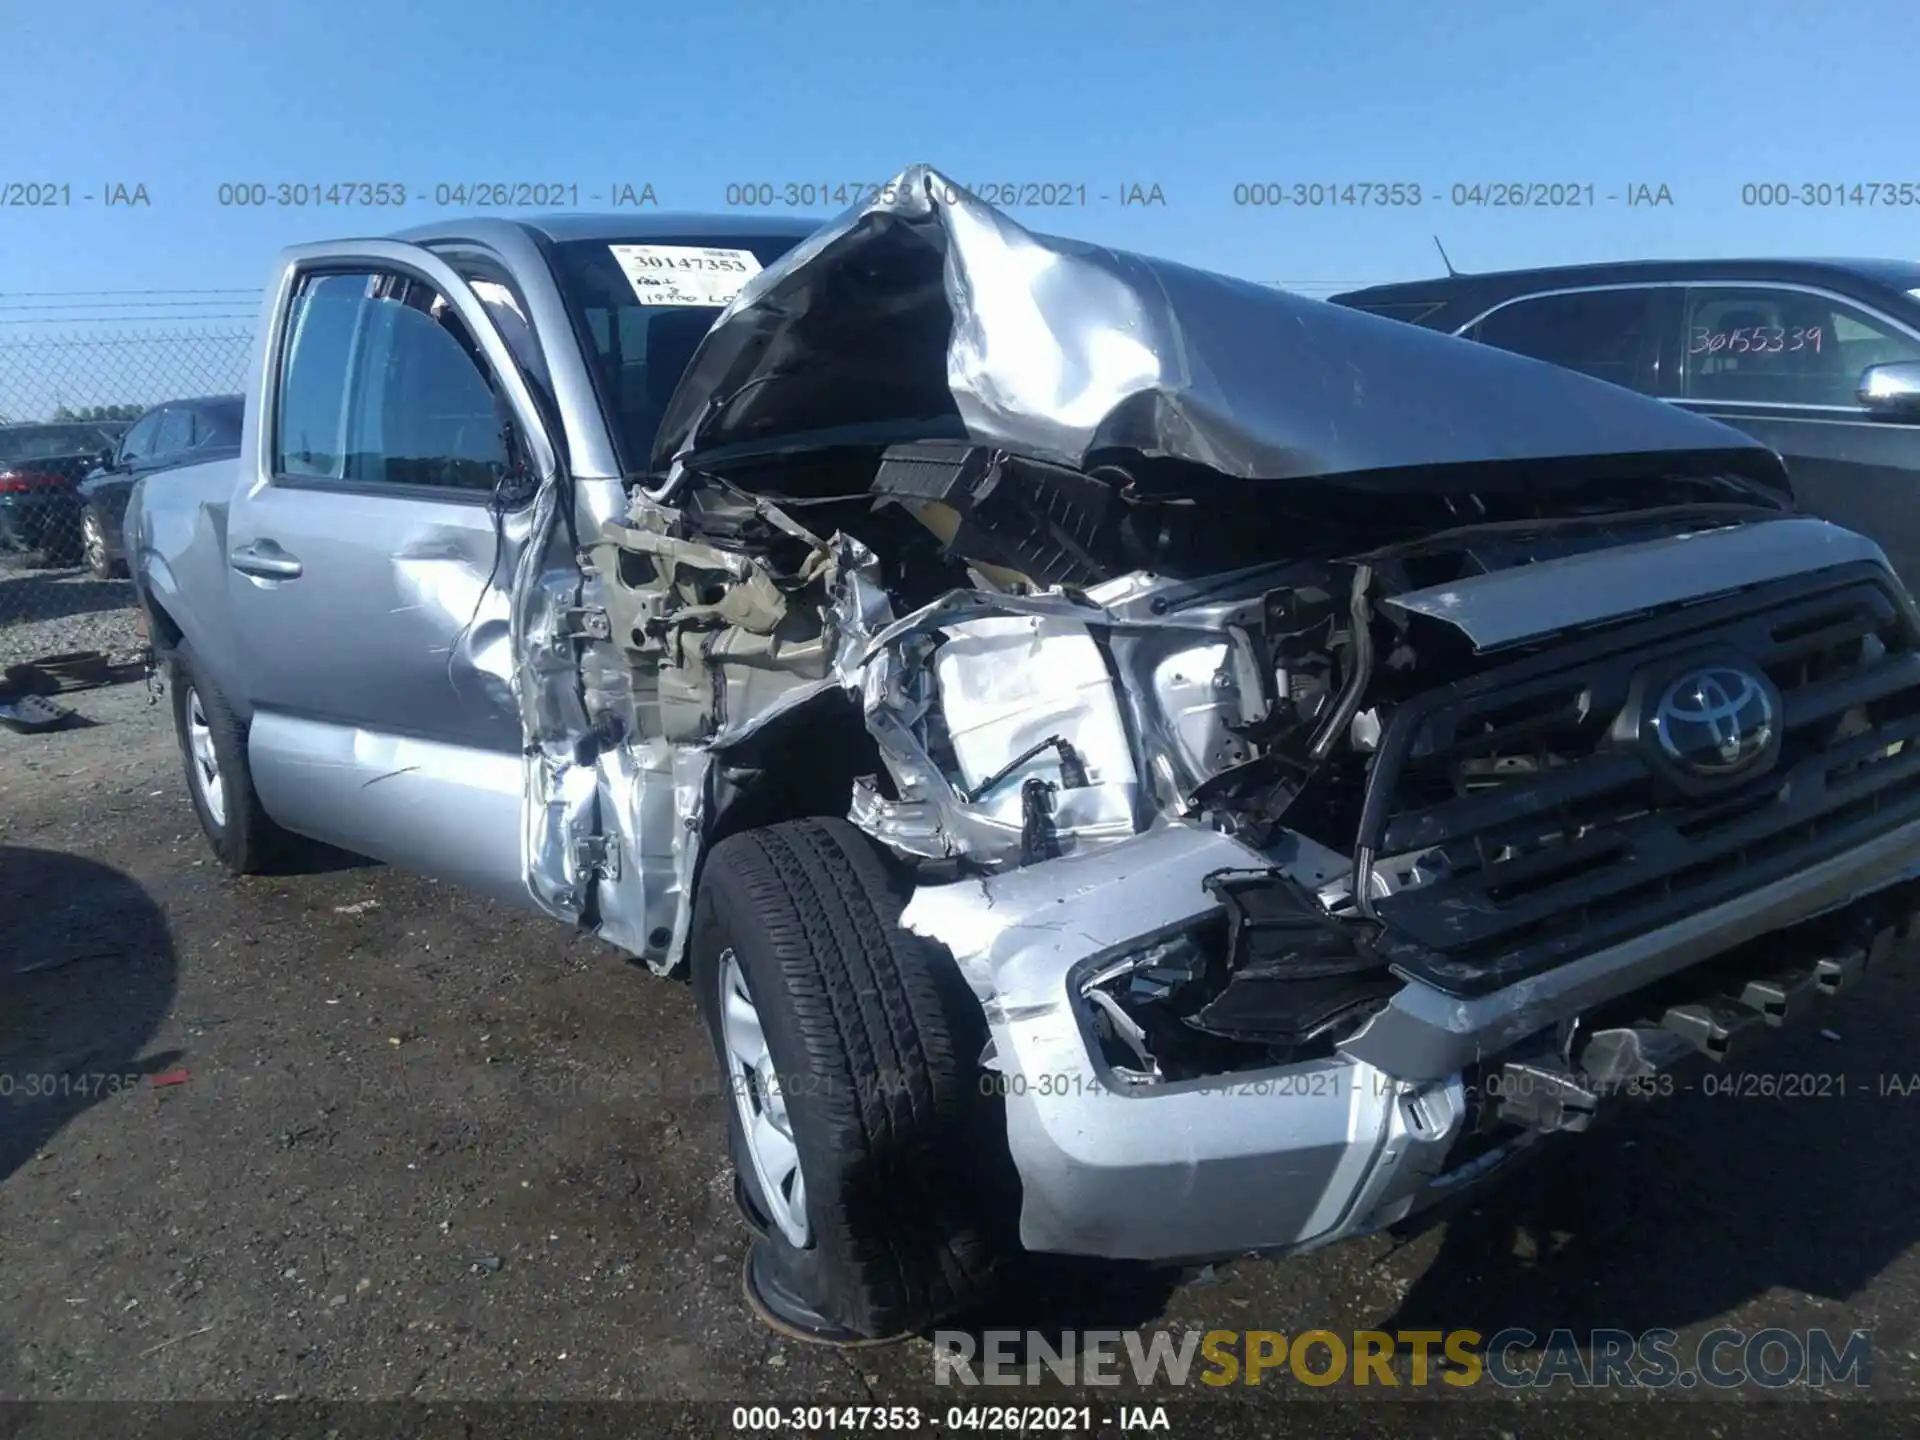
(1715, 721)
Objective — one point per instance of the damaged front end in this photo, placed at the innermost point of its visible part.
(1257, 704)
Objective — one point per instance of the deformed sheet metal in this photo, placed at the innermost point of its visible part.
(1283, 1157)
(1559, 594)
(925, 313)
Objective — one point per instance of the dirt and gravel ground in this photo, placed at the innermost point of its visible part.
(355, 1134)
(49, 610)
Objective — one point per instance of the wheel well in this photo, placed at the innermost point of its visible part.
(164, 633)
(802, 764)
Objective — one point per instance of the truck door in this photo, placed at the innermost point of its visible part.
(387, 499)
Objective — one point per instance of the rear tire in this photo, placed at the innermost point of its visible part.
(883, 1190)
(93, 544)
(213, 745)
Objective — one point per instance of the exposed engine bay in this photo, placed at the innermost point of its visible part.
(1013, 574)
(1016, 663)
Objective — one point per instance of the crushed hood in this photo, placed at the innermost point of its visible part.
(928, 314)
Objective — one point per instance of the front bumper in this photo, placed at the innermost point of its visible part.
(1299, 1156)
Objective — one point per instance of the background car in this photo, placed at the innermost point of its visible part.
(180, 432)
(1819, 359)
(41, 465)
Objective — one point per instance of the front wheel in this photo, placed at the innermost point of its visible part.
(867, 1153)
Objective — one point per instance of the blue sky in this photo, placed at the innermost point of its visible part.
(1193, 95)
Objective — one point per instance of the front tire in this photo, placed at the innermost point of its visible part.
(213, 745)
(873, 1163)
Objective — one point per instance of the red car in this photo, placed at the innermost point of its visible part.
(41, 466)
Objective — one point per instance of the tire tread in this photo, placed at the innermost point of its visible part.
(878, 1009)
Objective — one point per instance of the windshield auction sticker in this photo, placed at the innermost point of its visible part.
(685, 274)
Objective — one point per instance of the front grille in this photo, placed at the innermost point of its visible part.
(1544, 830)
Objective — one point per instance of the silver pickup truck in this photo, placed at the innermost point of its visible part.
(1136, 764)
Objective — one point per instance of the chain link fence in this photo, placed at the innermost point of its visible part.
(65, 397)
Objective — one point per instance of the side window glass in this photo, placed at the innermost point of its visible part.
(175, 434)
(1783, 347)
(427, 415)
(219, 426)
(323, 334)
(137, 443)
(1597, 332)
(382, 385)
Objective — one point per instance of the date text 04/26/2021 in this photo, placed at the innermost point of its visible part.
(1459, 194)
(323, 193)
(1714, 1083)
(1002, 194)
(813, 1420)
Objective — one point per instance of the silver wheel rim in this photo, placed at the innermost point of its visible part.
(761, 1106)
(205, 762)
(94, 540)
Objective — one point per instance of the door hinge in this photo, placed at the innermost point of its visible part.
(597, 855)
(585, 624)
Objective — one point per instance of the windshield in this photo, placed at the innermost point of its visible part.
(48, 442)
(638, 351)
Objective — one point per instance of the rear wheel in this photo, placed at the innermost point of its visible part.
(866, 1152)
(213, 746)
(93, 544)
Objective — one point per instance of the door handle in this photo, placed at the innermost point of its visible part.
(264, 560)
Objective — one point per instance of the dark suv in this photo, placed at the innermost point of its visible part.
(180, 432)
(1819, 359)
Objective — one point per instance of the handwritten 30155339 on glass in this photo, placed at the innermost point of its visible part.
(1755, 340)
